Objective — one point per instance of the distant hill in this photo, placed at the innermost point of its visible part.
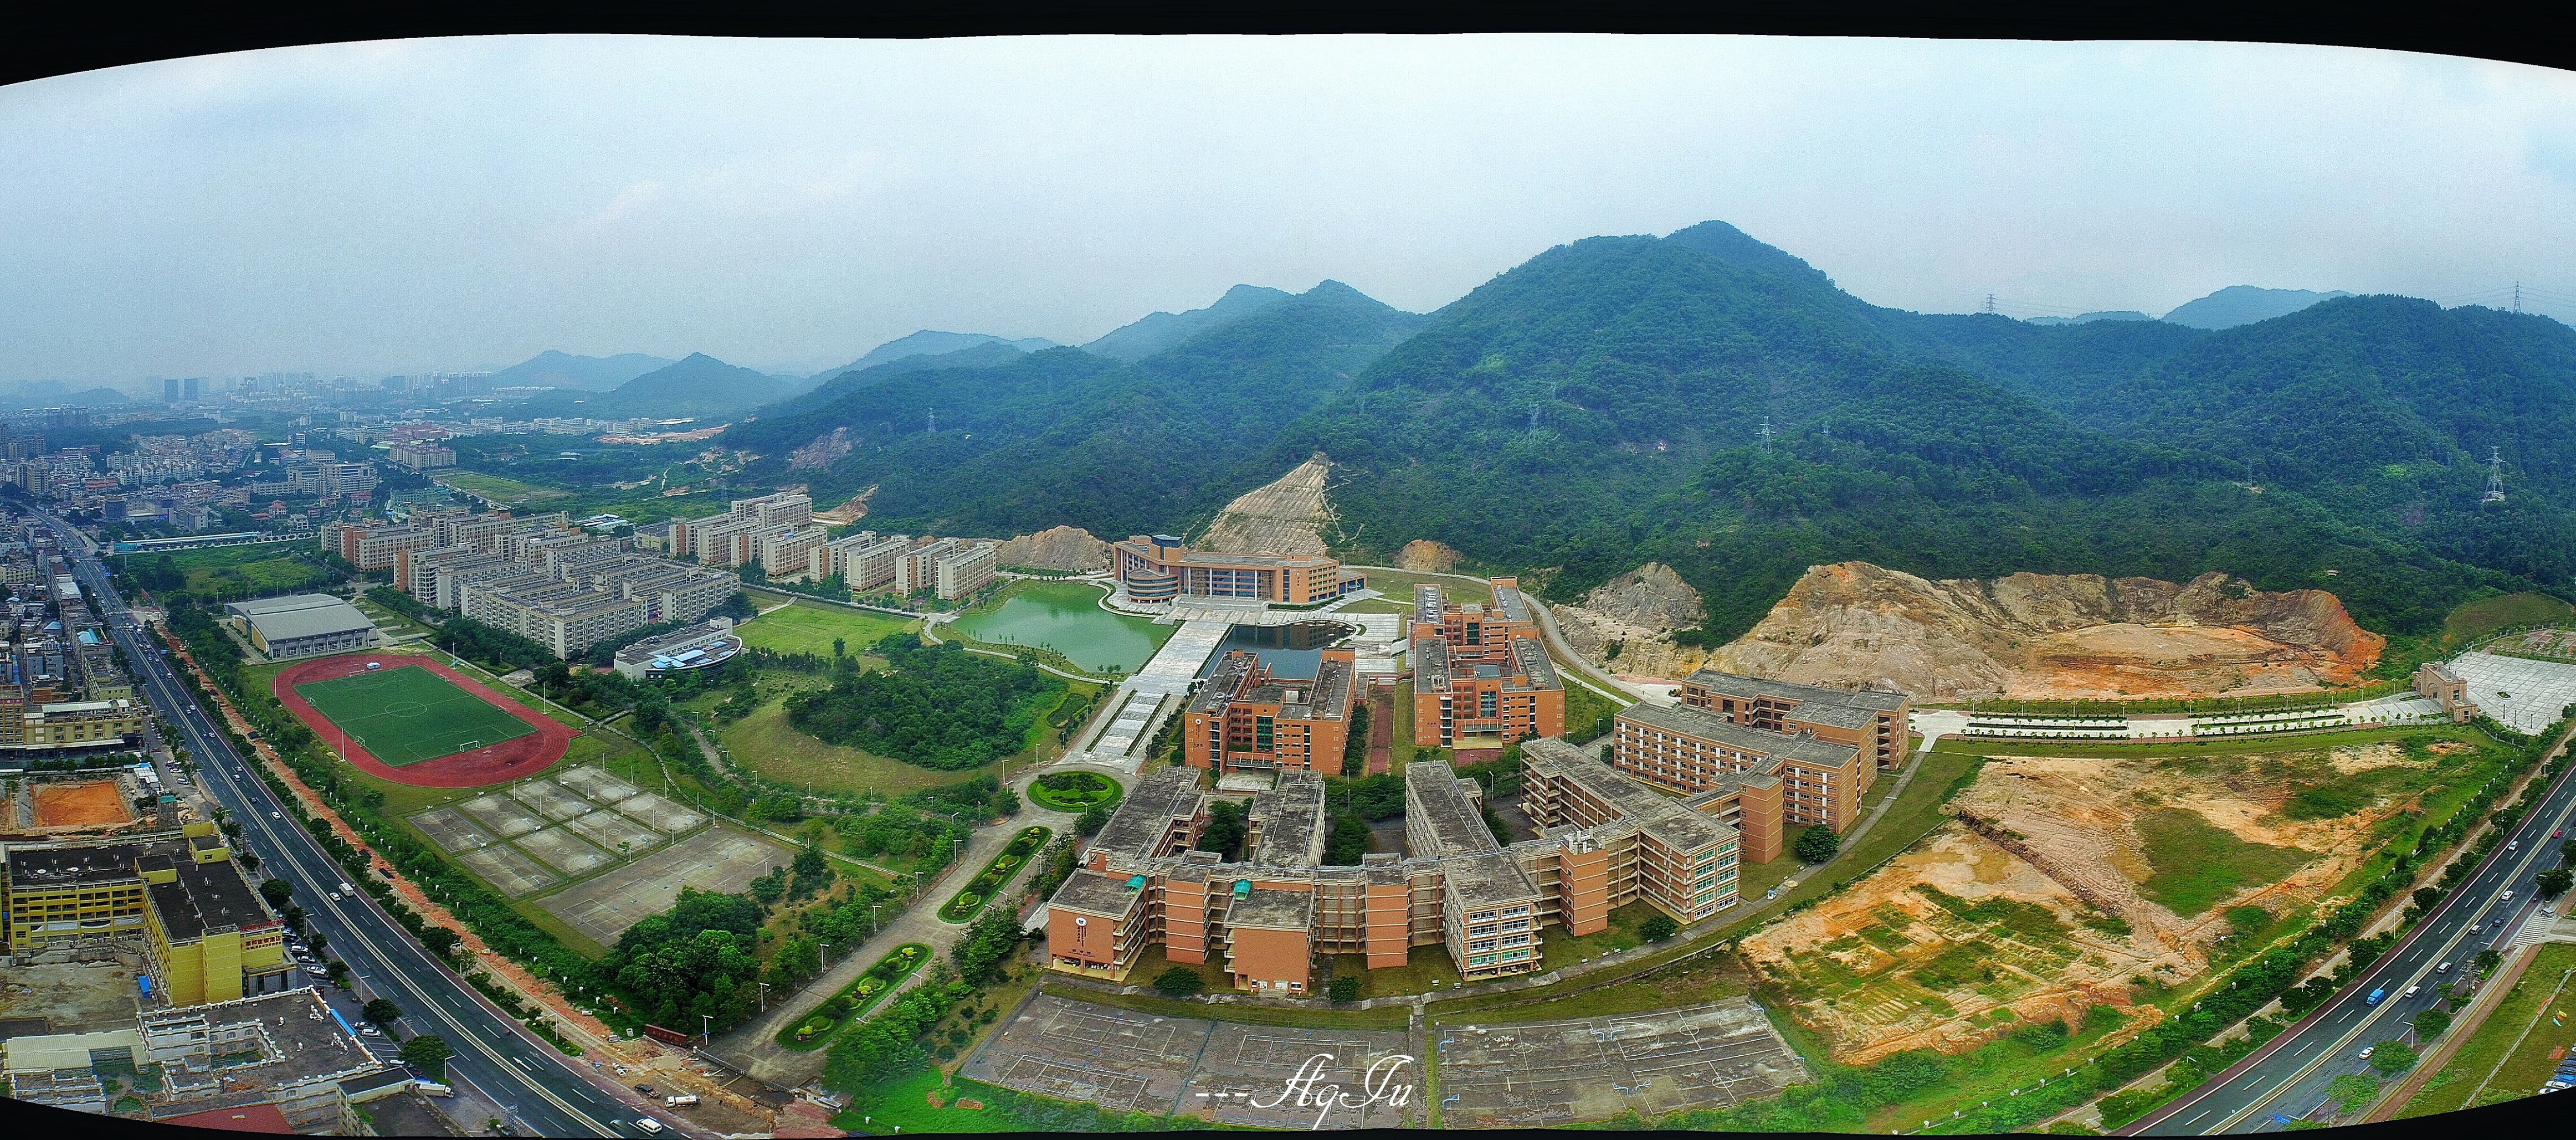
(2245, 304)
(1161, 331)
(700, 386)
(2089, 318)
(56, 394)
(552, 369)
(931, 343)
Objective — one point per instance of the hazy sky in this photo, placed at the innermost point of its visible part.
(447, 204)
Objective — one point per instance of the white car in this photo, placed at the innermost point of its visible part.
(2508, 896)
(274, 815)
(2413, 990)
(2444, 968)
(369, 1031)
(2365, 1052)
(335, 895)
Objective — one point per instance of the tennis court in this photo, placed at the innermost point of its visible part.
(407, 714)
(610, 831)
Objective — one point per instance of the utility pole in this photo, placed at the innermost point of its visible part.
(934, 421)
(2517, 296)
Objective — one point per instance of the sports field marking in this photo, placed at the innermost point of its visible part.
(408, 714)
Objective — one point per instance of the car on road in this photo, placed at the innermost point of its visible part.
(2413, 990)
(2475, 927)
(369, 1031)
(2365, 1052)
(649, 1125)
(274, 815)
(335, 895)
(2444, 968)
(2508, 896)
(645, 1089)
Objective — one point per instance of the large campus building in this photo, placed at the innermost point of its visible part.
(1481, 676)
(547, 580)
(303, 625)
(1820, 749)
(1244, 716)
(1157, 569)
(207, 934)
(1604, 842)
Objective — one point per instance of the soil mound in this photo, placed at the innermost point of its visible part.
(1427, 556)
(1284, 518)
(1056, 548)
(2052, 636)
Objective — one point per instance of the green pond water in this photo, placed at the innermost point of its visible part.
(1066, 617)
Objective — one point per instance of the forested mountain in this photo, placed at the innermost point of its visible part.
(698, 386)
(929, 342)
(2245, 304)
(1604, 405)
(552, 369)
(1068, 437)
(2089, 318)
(1159, 331)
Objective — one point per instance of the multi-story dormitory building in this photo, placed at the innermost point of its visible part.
(1873, 722)
(734, 538)
(1605, 841)
(1692, 751)
(552, 583)
(1481, 676)
(1245, 717)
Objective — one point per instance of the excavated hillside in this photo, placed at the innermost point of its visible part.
(1287, 516)
(2052, 636)
(1636, 612)
(1056, 548)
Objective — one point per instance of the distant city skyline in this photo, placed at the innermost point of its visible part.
(454, 205)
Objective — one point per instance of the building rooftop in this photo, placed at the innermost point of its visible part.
(1094, 893)
(1138, 827)
(1508, 601)
(1490, 879)
(1717, 729)
(1291, 816)
(1672, 822)
(208, 896)
(295, 1037)
(1270, 908)
(1435, 793)
(69, 865)
(1756, 688)
(300, 616)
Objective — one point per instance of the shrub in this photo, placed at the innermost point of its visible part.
(1818, 844)
(1179, 981)
(1344, 988)
(1658, 927)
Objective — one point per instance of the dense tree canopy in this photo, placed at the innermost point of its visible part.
(938, 706)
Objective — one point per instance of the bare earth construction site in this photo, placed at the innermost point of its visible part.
(2064, 884)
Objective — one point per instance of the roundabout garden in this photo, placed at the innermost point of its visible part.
(981, 889)
(1074, 791)
(817, 1028)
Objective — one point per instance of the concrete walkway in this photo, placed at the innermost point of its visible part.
(754, 1049)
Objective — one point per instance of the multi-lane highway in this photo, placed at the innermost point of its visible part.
(2286, 1079)
(495, 1056)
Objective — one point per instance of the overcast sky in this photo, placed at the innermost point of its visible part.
(451, 204)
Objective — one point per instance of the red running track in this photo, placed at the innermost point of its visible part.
(492, 764)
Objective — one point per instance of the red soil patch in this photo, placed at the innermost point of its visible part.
(493, 764)
(91, 803)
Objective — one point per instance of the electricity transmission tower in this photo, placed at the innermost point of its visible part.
(2495, 477)
(1990, 304)
(1766, 431)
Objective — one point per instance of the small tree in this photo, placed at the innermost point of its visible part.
(277, 892)
(1344, 988)
(2488, 959)
(382, 1011)
(428, 1053)
(2353, 1092)
(840, 647)
(2391, 1058)
(2567, 852)
(1179, 981)
(2554, 882)
(1658, 927)
(1818, 844)
(2430, 1024)
(1091, 820)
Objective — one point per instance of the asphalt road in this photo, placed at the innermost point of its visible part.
(495, 1055)
(2286, 1079)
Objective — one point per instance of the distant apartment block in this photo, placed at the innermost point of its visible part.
(1158, 568)
(1244, 717)
(547, 580)
(917, 569)
(1481, 676)
(422, 456)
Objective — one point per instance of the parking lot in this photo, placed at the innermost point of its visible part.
(1537, 1074)
(2525, 695)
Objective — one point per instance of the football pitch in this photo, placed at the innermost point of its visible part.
(408, 714)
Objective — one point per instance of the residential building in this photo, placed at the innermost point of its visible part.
(1481, 675)
(1158, 569)
(1687, 750)
(917, 570)
(787, 550)
(422, 456)
(1873, 722)
(1243, 716)
(964, 571)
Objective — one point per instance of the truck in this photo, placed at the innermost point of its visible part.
(346, 889)
(679, 1100)
(2375, 995)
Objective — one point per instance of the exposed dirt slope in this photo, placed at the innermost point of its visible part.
(1056, 548)
(1286, 517)
(2050, 636)
(1427, 556)
(1635, 611)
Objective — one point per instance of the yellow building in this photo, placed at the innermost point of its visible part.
(207, 934)
(73, 723)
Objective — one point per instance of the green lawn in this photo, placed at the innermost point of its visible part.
(2528, 1007)
(407, 714)
(765, 743)
(2197, 863)
(2504, 611)
(809, 627)
(498, 489)
(1399, 584)
(1423, 966)
(1093, 789)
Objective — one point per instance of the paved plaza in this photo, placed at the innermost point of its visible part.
(1537, 1074)
(2524, 694)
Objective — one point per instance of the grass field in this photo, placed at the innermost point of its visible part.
(765, 743)
(2196, 863)
(1398, 585)
(809, 627)
(266, 568)
(2528, 1007)
(407, 714)
(500, 490)
(2504, 611)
